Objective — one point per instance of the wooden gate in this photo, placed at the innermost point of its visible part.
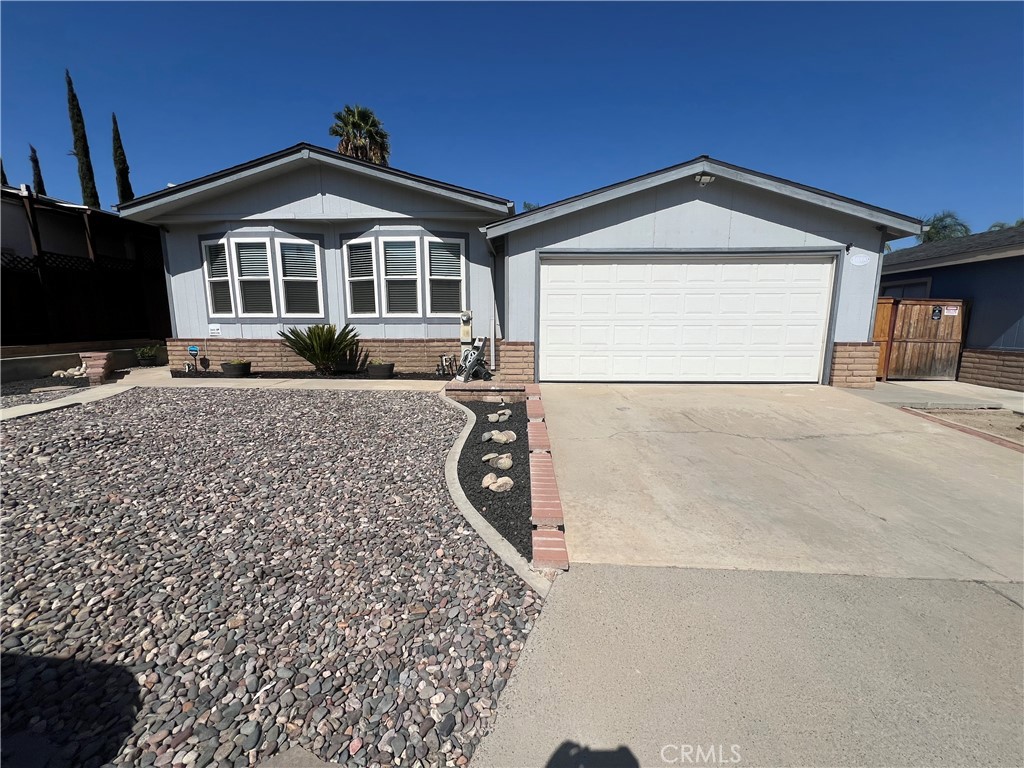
(919, 338)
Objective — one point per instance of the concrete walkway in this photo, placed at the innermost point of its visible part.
(792, 669)
(942, 394)
(791, 575)
(161, 377)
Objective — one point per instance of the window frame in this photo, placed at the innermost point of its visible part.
(235, 241)
(462, 274)
(207, 279)
(281, 279)
(349, 307)
(417, 241)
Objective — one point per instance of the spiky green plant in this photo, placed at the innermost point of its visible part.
(322, 345)
(353, 361)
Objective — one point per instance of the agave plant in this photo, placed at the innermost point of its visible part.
(322, 345)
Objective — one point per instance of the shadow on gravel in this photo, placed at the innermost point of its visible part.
(57, 712)
(573, 755)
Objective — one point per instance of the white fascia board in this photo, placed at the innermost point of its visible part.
(953, 260)
(150, 210)
(474, 201)
(896, 225)
(155, 206)
(504, 227)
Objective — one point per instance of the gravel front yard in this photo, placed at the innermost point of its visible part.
(20, 392)
(198, 576)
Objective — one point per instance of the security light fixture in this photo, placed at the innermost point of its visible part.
(703, 179)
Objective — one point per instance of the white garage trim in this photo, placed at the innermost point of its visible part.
(760, 310)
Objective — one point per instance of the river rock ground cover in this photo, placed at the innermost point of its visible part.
(200, 577)
(51, 388)
(508, 512)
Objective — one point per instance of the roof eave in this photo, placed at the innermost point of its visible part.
(162, 199)
(895, 225)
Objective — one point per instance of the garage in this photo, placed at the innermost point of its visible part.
(693, 318)
(701, 272)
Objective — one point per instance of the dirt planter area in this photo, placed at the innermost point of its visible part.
(998, 422)
(205, 577)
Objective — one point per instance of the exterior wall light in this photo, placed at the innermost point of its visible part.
(703, 179)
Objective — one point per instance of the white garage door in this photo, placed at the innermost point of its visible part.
(628, 318)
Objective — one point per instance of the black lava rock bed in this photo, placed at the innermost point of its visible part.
(508, 512)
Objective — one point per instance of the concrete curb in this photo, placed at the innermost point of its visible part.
(494, 540)
(86, 395)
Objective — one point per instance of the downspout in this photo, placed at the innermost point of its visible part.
(878, 281)
(494, 300)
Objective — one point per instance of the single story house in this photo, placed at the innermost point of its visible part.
(987, 271)
(704, 271)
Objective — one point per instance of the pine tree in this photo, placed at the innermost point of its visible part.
(90, 196)
(37, 172)
(121, 171)
(3, 175)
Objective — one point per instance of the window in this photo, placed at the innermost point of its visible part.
(362, 283)
(401, 276)
(444, 277)
(252, 274)
(298, 263)
(218, 280)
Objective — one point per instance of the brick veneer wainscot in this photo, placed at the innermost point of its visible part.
(408, 355)
(854, 365)
(1002, 368)
(515, 361)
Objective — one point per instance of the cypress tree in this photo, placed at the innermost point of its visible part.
(37, 173)
(3, 175)
(121, 171)
(90, 196)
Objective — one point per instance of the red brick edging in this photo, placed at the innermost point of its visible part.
(549, 550)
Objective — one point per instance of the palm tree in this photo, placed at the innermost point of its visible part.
(944, 225)
(361, 135)
(1004, 225)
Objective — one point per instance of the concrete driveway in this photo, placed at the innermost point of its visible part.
(772, 576)
(782, 478)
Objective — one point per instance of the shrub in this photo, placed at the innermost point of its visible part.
(353, 361)
(322, 345)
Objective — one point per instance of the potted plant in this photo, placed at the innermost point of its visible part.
(147, 356)
(378, 369)
(237, 368)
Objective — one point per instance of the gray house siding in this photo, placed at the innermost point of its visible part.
(724, 215)
(995, 290)
(329, 206)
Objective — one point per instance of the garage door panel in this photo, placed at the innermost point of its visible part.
(745, 319)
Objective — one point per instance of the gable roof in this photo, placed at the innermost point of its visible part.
(304, 152)
(897, 224)
(998, 244)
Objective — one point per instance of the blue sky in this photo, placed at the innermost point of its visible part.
(915, 107)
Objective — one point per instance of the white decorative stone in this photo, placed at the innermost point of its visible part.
(488, 456)
(489, 479)
(508, 435)
(502, 484)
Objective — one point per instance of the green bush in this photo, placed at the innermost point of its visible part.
(322, 345)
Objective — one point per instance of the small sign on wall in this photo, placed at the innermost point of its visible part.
(214, 329)
(954, 311)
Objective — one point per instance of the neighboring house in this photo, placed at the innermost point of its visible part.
(700, 272)
(986, 270)
(76, 279)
